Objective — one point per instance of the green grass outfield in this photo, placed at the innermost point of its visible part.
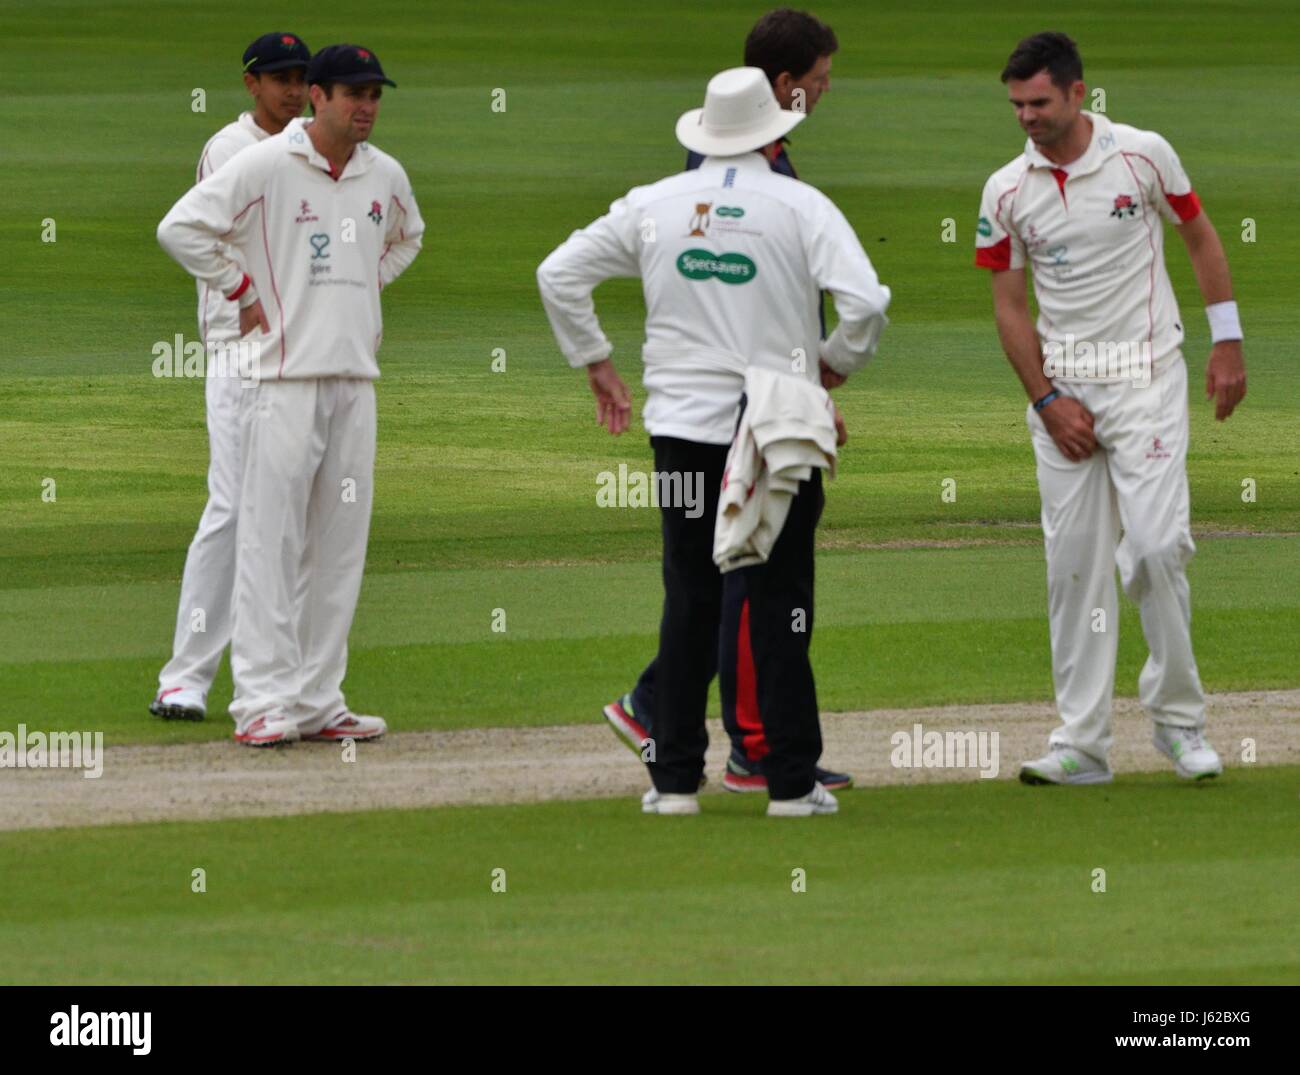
(486, 481)
(983, 883)
(486, 499)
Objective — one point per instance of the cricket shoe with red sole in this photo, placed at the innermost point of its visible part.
(630, 731)
(745, 775)
(269, 730)
(349, 726)
(179, 703)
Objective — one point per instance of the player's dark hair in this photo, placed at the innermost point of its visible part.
(1050, 50)
(328, 87)
(788, 40)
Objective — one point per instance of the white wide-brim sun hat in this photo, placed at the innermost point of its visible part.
(740, 114)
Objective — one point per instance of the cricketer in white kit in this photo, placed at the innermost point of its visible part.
(275, 69)
(1084, 206)
(322, 220)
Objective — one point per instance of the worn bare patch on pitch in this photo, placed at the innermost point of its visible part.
(509, 765)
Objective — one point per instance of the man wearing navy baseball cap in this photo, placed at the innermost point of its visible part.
(320, 220)
(275, 69)
(345, 119)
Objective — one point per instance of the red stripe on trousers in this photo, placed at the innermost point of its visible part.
(747, 692)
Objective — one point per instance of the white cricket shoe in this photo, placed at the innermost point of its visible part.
(268, 730)
(347, 725)
(1065, 765)
(655, 802)
(179, 703)
(817, 801)
(1193, 757)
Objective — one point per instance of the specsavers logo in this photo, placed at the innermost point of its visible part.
(729, 268)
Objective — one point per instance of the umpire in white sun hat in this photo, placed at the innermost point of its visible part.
(740, 114)
(731, 258)
(794, 50)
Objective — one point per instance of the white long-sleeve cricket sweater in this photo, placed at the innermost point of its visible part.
(731, 257)
(218, 316)
(317, 250)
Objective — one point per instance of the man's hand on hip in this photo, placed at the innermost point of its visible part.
(251, 317)
(1225, 377)
(841, 431)
(830, 379)
(613, 402)
(1070, 424)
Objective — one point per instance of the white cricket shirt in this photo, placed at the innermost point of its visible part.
(219, 317)
(1092, 233)
(731, 257)
(318, 250)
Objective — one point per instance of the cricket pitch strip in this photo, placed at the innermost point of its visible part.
(207, 781)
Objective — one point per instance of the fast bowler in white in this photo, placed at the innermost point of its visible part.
(1084, 205)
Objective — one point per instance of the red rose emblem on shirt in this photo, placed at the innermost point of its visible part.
(1124, 206)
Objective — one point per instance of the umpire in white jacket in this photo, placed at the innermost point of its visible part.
(732, 259)
(322, 220)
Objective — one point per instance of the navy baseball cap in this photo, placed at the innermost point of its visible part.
(346, 63)
(276, 52)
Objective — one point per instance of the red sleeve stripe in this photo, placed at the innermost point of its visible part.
(243, 286)
(997, 256)
(1185, 205)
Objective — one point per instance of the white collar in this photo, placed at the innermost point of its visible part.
(751, 161)
(1101, 146)
(296, 135)
(249, 124)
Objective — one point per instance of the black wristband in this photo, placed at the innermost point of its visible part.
(1039, 404)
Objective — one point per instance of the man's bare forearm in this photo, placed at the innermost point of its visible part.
(1020, 342)
(1209, 261)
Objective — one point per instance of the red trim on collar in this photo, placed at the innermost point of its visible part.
(1061, 176)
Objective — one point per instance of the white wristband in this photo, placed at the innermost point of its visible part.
(1225, 324)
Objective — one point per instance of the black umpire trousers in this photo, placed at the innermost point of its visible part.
(780, 596)
(672, 693)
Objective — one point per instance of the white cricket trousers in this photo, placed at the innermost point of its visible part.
(304, 520)
(1135, 480)
(207, 585)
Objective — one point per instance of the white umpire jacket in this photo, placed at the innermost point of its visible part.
(788, 428)
(731, 257)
